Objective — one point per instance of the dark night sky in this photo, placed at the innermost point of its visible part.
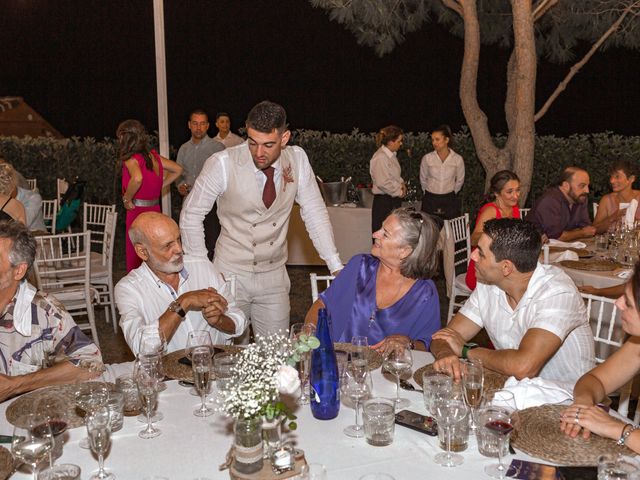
(86, 65)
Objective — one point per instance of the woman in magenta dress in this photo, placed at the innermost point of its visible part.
(504, 193)
(144, 174)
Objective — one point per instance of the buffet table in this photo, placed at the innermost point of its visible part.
(351, 231)
(192, 447)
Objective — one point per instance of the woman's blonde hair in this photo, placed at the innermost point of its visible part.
(388, 134)
(7, 179)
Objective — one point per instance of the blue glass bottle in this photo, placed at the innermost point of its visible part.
(323, 378)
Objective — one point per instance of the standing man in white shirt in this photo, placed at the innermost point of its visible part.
(191, 157)
(254, 186)
(225, 135)
(533, 313)
(179, 294)
(442, 177)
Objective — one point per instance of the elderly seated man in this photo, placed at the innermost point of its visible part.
(561, 211)
(533, 313)
(179, 294)
(35, 329)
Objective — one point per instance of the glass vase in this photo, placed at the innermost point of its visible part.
(248, 445)
(272, 435)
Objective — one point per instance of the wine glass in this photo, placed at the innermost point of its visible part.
(52, 411)
(296, 331)
(201, 365)
(99, 431)
(151, 340)
(147, 383)
(359, 350)
(449, 410)
(397, 362)
(90, 396)
(198, 338)
(498, 397)
(473, 384)
(155, 366)
(497, 421)
(31, 441)
(356, 385)
(434, 383)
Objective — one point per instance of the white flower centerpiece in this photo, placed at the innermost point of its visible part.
(264, 371)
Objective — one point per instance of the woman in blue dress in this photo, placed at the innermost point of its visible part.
(388, 295)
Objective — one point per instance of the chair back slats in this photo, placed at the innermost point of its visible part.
(523, 212)
(62, 260)
(457, 229)
(49, 214)
(33, 183)
(315, 279)
(94, 220)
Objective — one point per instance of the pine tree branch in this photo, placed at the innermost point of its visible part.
(542, 7)
(576, 67)
(453, 5)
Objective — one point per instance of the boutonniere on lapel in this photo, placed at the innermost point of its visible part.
(287, 176)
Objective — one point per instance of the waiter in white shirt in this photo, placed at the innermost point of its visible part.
(254, 186)
(388, 186)
(442, 177)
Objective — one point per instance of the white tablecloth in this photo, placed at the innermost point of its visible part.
(192, 447)
(351, 231)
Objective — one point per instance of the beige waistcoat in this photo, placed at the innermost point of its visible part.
(254, 238)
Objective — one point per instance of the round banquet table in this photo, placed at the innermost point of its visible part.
(192, 447)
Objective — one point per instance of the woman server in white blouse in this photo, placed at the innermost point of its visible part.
(388, 186)
(441, 177)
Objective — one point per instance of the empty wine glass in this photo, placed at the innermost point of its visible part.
(296, 331)
(151, 340)
(359, 350)
(449, 410)
(198, 338)
(398, 362)
(31, 442)
(497, 421)
(99, 431)
(472, 383)
(201, 365)
(498, 397)
(356, 385)
(90, 396)
(147, 383)
(156, 367)
(434, 383)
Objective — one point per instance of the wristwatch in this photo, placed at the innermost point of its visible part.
(176, 308)
(466, 348)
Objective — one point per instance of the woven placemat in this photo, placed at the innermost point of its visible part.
(6, 463)
(30, 402)
(537, 433)
(492, 380)
(581, 252)
(179, 371)
(591, 265)
(373, 357)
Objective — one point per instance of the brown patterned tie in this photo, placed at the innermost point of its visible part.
(269, 192)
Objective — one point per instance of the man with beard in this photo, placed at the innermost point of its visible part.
(176, 293)
(533, 313)
(561, 212)
(255, 185)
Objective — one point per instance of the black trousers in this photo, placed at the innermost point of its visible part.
(383, 205)
(445, 206)
(212, 229)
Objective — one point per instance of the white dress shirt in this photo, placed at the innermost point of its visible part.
(142, 298)
(231, 140)
(212, 183)
(551, 302)
(441, 177)
(385, 173)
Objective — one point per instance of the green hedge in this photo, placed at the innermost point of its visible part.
(332, 156)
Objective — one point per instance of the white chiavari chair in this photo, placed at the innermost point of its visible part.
(102, 268)
(315, 278)
(457, 251)
(49, 214)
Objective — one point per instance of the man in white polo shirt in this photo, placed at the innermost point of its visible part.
(178, 292)
(254, 186)
(533, 313)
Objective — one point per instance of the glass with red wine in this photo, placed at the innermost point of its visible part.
(495, 422)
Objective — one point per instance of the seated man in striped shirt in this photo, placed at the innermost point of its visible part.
(40, 344)
(533, 313)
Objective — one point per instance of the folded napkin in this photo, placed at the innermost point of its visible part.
(114, 370)
(557, 243)
(532, 392)
(630, 215)
(625, 274)
(566, 255)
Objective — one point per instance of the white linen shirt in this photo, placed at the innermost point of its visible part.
(551, 302)
(142, 298)
(231, 140)
(212, 183)
(441, 177)
(385, 173)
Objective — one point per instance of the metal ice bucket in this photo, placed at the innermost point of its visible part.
(334, 193)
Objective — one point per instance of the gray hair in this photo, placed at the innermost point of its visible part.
(136, 235)
(23, 245)
(7, 179)
(420, 233)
